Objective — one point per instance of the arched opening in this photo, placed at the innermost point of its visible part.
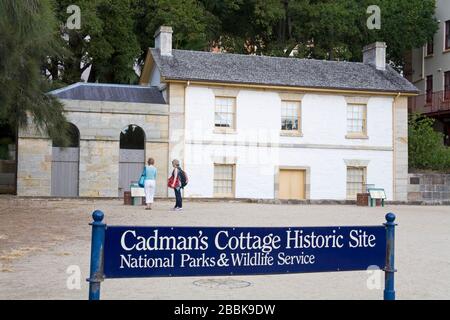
(8, 164)
(131, 156)
(65, 165)
(73, 135)
(132, 138)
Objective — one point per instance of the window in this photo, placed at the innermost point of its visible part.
(356, 118)
(447, 35)
(430, 47)
(225, 111)
(224, 180)
(290, 116)
(356, 181)
(429, 89)
(447, 85)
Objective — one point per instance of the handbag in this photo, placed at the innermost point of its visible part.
(170, 182)
(142, 179)
(173, 182)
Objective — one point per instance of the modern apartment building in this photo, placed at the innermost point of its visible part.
(430, 73)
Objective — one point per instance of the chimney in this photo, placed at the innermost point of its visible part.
(163, 40)
(375, 54)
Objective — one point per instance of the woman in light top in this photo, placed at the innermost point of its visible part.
(150, 183)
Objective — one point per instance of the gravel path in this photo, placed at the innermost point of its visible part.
(40, 239)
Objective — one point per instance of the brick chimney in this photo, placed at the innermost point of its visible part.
(375, 54)
(163, 40)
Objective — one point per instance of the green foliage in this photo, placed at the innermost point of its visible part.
(106, 42)
(425, 146)
(246, 26)
(405, 24)
(6, 141)
(118, 48)
(27, 33)
(117, 33)
(321, 29)
(4, 155)
(188, 18)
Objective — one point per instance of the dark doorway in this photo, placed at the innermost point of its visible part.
(8, 155)
(131, 156)
(132, 137)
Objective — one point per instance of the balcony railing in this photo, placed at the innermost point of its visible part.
(436, 102)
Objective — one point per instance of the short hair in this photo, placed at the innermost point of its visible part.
(175, 162)
(151, 161)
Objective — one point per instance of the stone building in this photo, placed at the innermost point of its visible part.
(96, 163)
(242, 127)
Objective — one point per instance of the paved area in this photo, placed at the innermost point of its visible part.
(40, 239)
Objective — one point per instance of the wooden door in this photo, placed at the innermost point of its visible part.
(292, 184)
(65, 172)
(131, 163)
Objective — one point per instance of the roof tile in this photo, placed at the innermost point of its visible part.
(292, 72)
(110, 92)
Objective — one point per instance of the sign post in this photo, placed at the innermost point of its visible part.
(389, 271)
(144, 251)
(97, 246)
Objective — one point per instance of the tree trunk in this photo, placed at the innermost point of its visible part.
(92, 74)
(54, 63)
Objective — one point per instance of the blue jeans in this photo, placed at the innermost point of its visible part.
(179, 200)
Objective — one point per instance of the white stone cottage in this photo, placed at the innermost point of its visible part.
(242, 126)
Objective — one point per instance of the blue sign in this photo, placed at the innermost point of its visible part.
(212, 251)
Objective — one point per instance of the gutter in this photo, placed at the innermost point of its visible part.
(291, 88)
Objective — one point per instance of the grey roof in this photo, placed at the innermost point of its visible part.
(263, 70)
(110, 92)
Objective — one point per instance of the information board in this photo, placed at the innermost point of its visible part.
(210, 251)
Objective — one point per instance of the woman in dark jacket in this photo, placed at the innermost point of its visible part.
(176, 185)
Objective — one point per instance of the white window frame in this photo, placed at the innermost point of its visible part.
(233, 181)
(350, 196)
(357, 134)
(223, 129)
(292, 132)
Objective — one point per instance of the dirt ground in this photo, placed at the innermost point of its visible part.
(41, 239)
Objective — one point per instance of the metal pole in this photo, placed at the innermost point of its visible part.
(97, 244)
(389, 270)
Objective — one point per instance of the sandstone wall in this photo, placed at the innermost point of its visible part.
(34, 167)
(100, 124)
